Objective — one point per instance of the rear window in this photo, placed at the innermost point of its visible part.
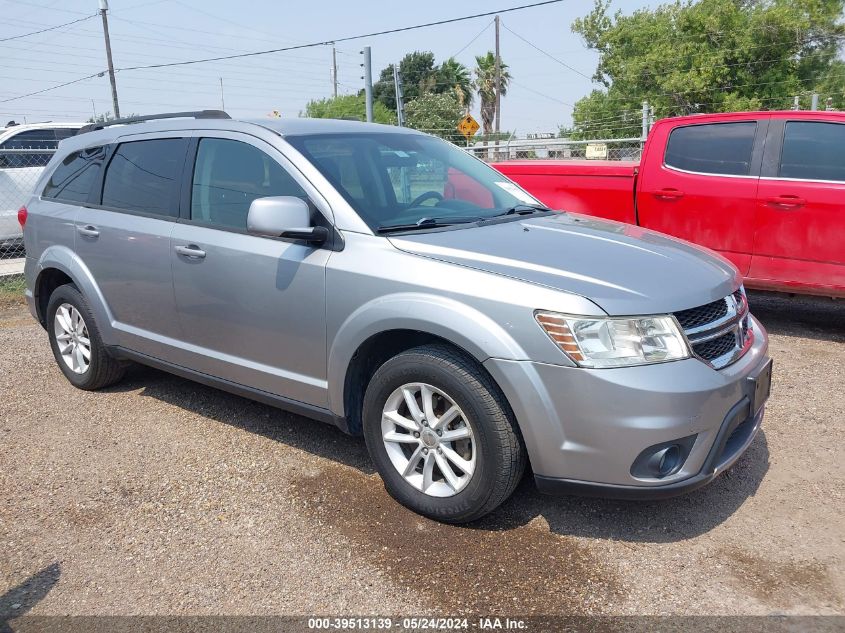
(813, 150)
(21, 148)
(715, 148)
(143, 176)
(75, 176)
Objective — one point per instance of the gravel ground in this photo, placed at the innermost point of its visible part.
(161, 496)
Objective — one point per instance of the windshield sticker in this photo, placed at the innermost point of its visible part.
(516, 192)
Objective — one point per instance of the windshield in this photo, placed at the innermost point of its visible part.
(395, 178)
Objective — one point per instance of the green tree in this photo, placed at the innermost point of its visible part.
(107, 116)
(436, 114)
(485, 83)
(348, 107)
(416, 72)
(453, 76)
(708, 56)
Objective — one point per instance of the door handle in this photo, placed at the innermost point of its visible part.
(786, 202)
(668, 194)
(192, 250)
(89, 230)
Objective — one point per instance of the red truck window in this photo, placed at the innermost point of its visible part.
(714, 148)
(813, 150)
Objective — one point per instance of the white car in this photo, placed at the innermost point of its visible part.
(21, 165)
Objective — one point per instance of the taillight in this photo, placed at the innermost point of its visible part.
(22, 213)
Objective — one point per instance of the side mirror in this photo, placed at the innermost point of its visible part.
(284, 216)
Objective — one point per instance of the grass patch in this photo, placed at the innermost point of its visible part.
(11, 290)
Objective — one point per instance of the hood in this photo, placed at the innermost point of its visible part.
(626, 270)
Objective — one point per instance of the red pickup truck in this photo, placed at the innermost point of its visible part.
(764, 189)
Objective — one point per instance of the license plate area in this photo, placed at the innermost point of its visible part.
(761, 387)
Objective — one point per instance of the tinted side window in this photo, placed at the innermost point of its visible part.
(715, 148)
(33, 139)
(74, 177)
(27, 141)
(144, 176)
(65, 132)
(813, 151)
(229, 175)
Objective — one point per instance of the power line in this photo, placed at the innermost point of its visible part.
(536, 92)
(67, 83)
(349, 38)
(51, 28)
(480, 33)
(549, 55)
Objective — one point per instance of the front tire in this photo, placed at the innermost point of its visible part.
(76, 342)
(442, 435)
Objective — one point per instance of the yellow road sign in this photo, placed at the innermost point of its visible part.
(468, 126)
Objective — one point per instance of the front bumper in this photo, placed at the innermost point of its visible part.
(738, 431)
(585, 428)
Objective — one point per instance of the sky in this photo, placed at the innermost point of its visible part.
(147, 32)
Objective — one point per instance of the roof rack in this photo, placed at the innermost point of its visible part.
(199, 114)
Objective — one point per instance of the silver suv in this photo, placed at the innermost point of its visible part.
(388, 282)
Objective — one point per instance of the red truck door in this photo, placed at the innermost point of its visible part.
(703, 187)
(801, 207)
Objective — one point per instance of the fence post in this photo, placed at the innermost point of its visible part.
(645, 121)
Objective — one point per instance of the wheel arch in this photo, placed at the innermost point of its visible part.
(57, 266)
(388, 326)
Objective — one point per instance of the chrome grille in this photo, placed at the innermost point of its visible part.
(718, 332)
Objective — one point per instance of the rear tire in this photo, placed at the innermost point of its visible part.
(464, 403)
(76, 342)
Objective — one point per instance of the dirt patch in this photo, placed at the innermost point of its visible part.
(466, 569)
(782, 583)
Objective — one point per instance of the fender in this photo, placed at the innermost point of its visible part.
(466, 327)
(62, 258)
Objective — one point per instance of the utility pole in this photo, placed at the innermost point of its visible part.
(397, 87)
(104, 7)
(498, 79)
(334, 71)
(814, 104)
(368, 83)
(222, 101)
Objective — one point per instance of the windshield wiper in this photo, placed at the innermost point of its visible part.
(522, 209)
(427, 223)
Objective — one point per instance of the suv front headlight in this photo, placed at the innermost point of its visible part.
(612, 342)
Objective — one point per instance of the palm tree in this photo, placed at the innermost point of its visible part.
(452, 75)
(485, 83)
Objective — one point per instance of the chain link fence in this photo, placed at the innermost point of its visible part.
(20, 169)
(621, 149)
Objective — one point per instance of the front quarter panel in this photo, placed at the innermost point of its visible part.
(372, 287)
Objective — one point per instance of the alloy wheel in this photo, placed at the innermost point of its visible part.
(428, 439)
(72, 338)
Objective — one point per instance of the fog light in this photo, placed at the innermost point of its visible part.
(665, 460)
(662, 460)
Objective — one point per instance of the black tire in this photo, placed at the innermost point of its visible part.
(500, 457)
(103, 370)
